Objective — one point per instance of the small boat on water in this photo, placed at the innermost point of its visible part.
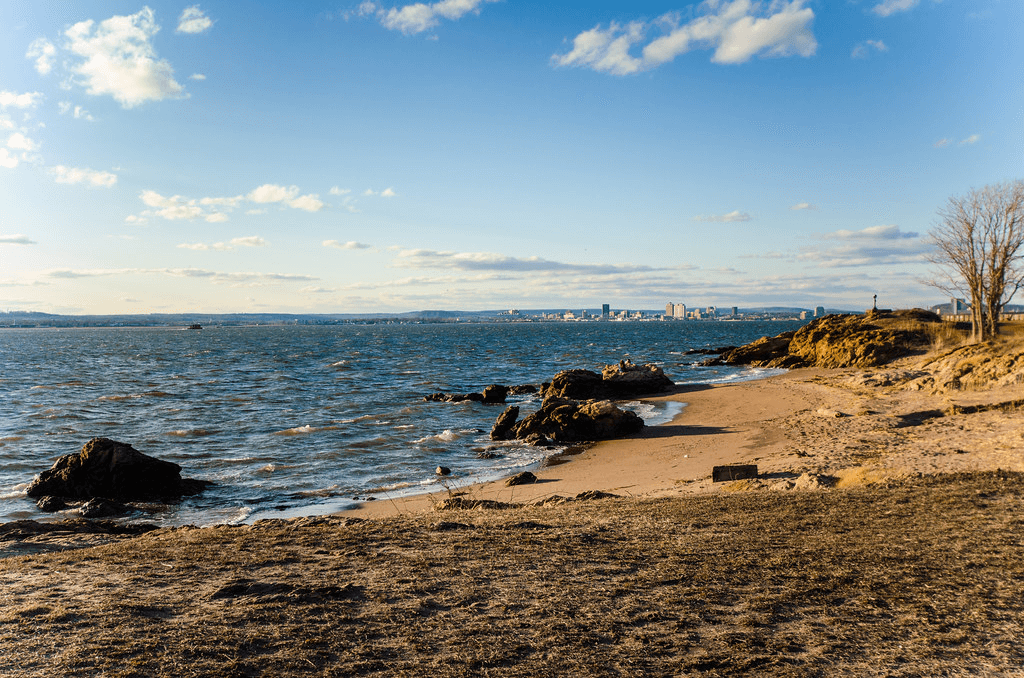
(195, 326)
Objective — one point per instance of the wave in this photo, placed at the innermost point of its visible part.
(191, 433)
(136, 396)
(447, 436)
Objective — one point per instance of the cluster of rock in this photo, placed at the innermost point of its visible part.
(577, 406)
(495, 394)
(868, 340)
(104, 475)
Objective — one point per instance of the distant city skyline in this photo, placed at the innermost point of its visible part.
(378, 157)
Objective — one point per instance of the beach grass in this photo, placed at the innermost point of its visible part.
(918, 577)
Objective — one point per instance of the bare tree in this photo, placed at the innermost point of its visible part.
(979, 246)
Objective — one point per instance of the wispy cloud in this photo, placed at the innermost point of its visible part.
(83, 175)
(193, 20)
(16, 240)
(736, 31)
(216, 209)
(803, 206)
(44, 52)
(77, 112)
(723, 218)
(218, 277)
(973, 139)
(942, 143)
(248, 241)
(197, 76)
(487, 261)
(350, 245)
(969, 141)
(891, 232)
(118, 59)
(890, 7)
(418, 17)
(872, 246)
(862, 50)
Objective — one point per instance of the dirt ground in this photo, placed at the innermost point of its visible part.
(920, 577)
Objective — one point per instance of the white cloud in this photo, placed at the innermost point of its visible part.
(217, 277)
(249, 241)
(268, 193)
(942, 143)
(7, 159)
(15, 100)
(216, 217)
(736, 31)
(119, 60)
(16, 240)
(891, 232)
(723, 218)
(309, 203)
(973, 139)
(390, 192)
(350, 245)
(171, 208)
(419, 17)
(20, 142)
(197, 76)
(229, 203)
(77, 175)
(193, 20)
(339, 191)
(862, 50)
(44, 52)
(488, 261)
(803, 206)
(889, 7)
(135, 219)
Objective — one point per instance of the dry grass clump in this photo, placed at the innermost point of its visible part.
(925, 578)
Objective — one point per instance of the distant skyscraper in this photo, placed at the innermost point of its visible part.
(819, 311)
(679, 311)
(605, 310)
(669, 309)
(735, 311)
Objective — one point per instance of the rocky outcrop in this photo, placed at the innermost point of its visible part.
(868, 340)
(495, 394)
(624, 380)
(563, 420)
(504, 423)
(627, 380)
(116, 471)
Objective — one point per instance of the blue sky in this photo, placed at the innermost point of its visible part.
(472, 154)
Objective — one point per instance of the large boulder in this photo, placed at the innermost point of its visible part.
(627, 379)
(624, 380)
(564, 420)
(112, 470)
(765, 352)
(503, 425)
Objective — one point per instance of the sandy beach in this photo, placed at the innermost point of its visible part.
(882, 536)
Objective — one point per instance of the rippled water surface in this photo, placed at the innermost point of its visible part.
(298, 420)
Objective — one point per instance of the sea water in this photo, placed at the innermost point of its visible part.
(300, 420)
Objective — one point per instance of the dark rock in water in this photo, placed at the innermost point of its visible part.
(708, 351)
(102, 508)
(443, 471)
(760, 353)
(565, 420)
(51, 504)
(624, 380)
(576, 384)
(487, 454)
(454, 397)
(113, 470)
(522, 389)
(538, 440)
(495, 394)
(524, 478)
(506, 420)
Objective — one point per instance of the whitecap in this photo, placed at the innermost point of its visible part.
(297, 431)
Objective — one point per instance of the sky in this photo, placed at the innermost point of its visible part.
(333, 157)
